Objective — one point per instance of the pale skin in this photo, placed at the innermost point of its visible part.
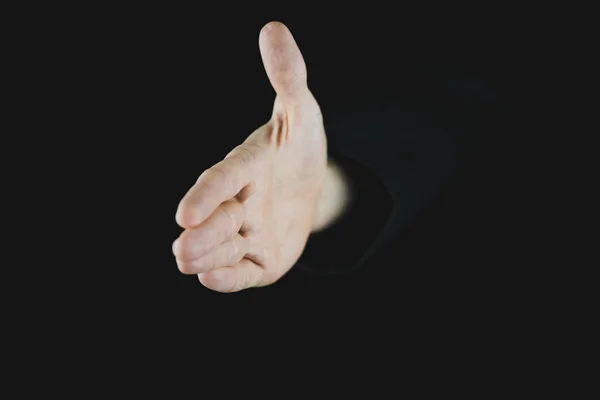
(247, 218)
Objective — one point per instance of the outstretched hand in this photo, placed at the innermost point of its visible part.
(248, 217)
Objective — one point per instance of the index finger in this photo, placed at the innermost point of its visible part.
(217, 184)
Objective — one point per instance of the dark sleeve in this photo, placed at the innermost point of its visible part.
(398, 157)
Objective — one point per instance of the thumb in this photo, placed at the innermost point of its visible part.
(282, 60)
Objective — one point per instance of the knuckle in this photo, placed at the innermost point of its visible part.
(181, 248)
(188, 247)
(232, 251)
(228, 285)
(229, 216)
(216, 175)
(184, 268)
(215, 281)
(246, 282)
(209, 175)
(240, 153)
(244, 153)
(291, 78)
(234, 285)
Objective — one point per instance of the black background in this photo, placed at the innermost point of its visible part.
(131, 104)
(179, 94)
(157, 95)
(136, 103)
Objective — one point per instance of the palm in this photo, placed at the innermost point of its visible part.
(297, 143)
(248, 218)
(290, 165)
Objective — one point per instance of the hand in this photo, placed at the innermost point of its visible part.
(248, 217)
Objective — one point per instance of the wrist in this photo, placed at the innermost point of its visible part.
(334, 197)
